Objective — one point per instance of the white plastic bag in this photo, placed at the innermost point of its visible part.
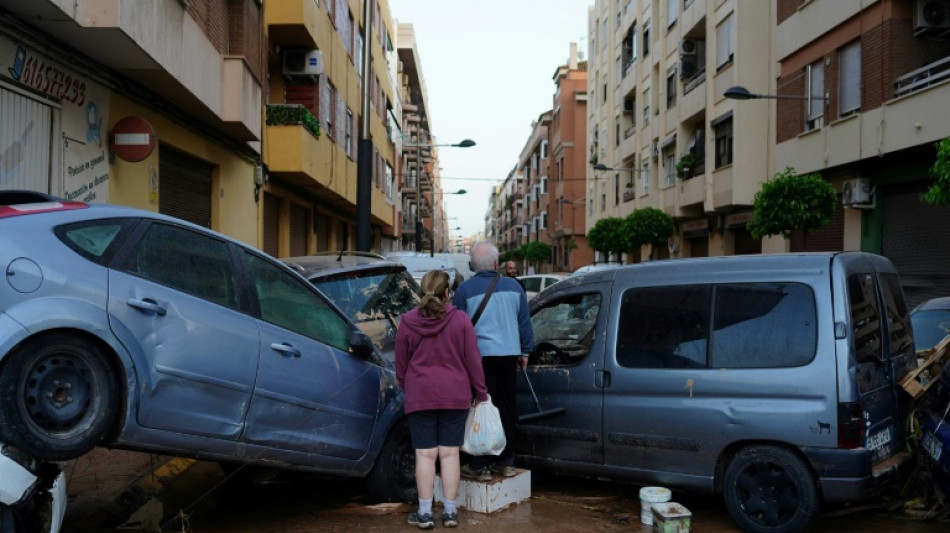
(484, 434)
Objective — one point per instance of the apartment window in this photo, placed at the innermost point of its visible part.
(544, 149)
(646, 115)
(544, 219)
(815, 105)
(672, 12)
(725, 45)
(849, 79)
(722, 129)
(645, 179)
(348, 134)
(669, 168)
(671, 88)
(358, 59)
(617, 132)
(605, 90)
(646, 38)
(616, 189)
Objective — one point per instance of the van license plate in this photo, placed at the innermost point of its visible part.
(933, 446)
(879, 439)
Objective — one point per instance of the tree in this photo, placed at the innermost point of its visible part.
(648, 225)
(789, 202)
(536, 252)
(939, 192)
(607, 236)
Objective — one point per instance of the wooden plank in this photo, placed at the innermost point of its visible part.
(920, 379)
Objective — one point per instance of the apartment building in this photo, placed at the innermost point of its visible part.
(155, 105)
(660, 131)
(533, 167)
(567, 167)
(424, 225)
(314, 57)
(877, 78)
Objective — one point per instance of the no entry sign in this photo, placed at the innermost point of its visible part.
(133, 139)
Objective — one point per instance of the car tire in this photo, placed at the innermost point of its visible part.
(768, 489)
(393, 477)
(58, 397)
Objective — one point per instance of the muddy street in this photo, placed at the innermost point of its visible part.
(200, 499)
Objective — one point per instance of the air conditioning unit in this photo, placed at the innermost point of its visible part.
(303, 62)
(858, 193)
(931, 15)
(688, 47)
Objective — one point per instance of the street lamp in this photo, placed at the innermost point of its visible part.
(739, 92)
(465, 143)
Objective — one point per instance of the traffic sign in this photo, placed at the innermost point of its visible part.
(133, 139)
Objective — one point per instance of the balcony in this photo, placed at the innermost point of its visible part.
(147, 42)
(300, 159)
(923, 77)
(294, 23)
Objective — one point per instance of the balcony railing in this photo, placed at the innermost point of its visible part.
(923, 77)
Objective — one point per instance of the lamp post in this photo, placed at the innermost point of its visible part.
(466, 143)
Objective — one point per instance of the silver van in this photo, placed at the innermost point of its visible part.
(771, 380)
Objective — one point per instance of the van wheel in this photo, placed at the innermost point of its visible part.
(58, 397)
(768, 489)
(393, 477)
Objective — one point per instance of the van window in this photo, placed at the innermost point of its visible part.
(564, 329)
(764, 325)
(865, 318)
(898, 321)
(753, 325)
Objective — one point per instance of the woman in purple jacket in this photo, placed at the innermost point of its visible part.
(439, 366)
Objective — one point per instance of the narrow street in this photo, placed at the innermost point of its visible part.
(200, 500)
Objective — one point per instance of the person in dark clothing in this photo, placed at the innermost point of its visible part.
(511, 270)
(505, 339)
(439, 367)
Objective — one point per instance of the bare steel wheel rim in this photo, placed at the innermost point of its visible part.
(59, 394)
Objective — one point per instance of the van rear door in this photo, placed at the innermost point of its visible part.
(882, 345)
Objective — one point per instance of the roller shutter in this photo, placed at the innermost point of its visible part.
(828, 239)
(271, 225)
(25, 141)
(184, 189)
(299, 230)
(916, 238)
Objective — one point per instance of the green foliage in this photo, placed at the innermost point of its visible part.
(536, 251)
(292, 115)
(789, 202)
(648, 225)
(686, 166)
(939, 192)
(608, 236)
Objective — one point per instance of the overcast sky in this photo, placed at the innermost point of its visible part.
(488, 67)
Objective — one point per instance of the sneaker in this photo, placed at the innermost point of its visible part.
(450, 519)
(506, 471)
(424, 521)
(482, 474)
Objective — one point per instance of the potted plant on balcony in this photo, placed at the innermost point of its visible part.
(686, 165)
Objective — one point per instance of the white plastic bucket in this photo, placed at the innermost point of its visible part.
(649, 496)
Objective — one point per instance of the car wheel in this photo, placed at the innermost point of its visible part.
(58, 397)
(393, 478)
(768, 489)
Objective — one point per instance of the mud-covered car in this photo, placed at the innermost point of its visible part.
(771, 381)
(129, 329)
(372, 291)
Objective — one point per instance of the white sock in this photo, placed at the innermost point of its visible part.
(425, 506)
(448, 506)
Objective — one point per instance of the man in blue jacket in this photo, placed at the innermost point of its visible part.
(505, 339)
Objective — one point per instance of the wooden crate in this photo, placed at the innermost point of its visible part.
(919, 380)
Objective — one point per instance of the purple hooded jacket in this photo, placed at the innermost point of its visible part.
(437, 361)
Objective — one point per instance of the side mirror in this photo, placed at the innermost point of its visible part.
(361, 345)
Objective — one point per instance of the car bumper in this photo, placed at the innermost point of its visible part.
(848, 475)
(22, 487)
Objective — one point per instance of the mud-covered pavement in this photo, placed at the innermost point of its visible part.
(200, 499)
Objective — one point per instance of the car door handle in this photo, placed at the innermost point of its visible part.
(285, 349)
(602, 379)
(147, 304)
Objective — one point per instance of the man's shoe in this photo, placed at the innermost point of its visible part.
(482, 474)
(424, 521)
(450, 519)
(506, 471)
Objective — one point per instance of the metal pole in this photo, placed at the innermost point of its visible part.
(364, 157)
(418, 193)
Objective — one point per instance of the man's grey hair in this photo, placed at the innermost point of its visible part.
(484, 256)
